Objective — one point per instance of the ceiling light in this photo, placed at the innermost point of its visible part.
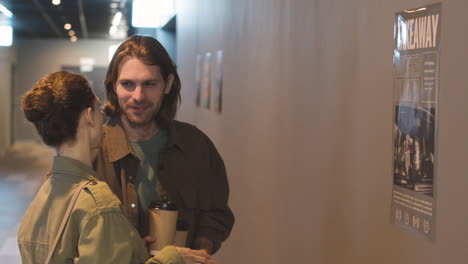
(56, 2)
(71, 33)
(117, 18)
(114, 5)
(6, 36)
(152, 13)
(5, 11)
(117, 32)
(86, 64)
(112, 30)
(73, 39)
(67, 26)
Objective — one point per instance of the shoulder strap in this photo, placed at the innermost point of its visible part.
(65, 218)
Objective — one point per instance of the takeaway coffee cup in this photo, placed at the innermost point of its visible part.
(162, 224)
(182, 230)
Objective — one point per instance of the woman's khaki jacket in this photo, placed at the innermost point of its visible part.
(97, 231)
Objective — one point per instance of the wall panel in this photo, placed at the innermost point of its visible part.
(307, 128)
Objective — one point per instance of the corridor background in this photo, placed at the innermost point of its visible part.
(306, 127)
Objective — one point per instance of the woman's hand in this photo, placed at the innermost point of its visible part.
(195, 256)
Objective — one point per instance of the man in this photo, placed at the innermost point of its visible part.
(147, 156)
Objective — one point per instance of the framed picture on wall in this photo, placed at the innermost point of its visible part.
(206, 81)
(218, 82)
(198, 78)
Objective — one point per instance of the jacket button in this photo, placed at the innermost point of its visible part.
(132, 205)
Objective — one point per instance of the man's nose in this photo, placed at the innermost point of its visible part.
(138, 94)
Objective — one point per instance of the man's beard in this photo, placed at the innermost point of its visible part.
(135, 120)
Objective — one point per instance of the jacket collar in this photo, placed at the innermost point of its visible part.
(69, 166)
(116, 142)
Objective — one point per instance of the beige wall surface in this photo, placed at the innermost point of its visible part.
(39, 57)
(7, 59)
(8, 54)
(306, 131)
(5, 105)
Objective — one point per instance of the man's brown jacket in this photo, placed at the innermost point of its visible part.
(191, 172)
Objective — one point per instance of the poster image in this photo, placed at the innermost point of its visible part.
(206, 81)
(198, 77)
(218, 85)
(415, 85)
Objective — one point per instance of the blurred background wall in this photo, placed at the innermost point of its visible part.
(306, 128)
(7, 60)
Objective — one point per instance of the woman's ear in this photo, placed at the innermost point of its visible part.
(89, 116)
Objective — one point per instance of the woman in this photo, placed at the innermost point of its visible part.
(66, 114)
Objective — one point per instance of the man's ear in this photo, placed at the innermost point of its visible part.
(170, 80)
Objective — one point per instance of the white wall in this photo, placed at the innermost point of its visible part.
(168, 40)
(7, 60)
(39, 57)
(306, 130)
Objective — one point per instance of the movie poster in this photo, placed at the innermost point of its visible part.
(416, 83)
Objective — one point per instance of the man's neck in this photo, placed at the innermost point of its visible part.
(139, 132)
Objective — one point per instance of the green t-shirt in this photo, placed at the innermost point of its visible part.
(146, 180)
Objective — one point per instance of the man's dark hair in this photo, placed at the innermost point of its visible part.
(54, 105)
(150, 52)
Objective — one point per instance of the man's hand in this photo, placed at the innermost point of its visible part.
(195, 256)
(204, 243)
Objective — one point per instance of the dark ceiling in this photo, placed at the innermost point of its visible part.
(42, 19)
